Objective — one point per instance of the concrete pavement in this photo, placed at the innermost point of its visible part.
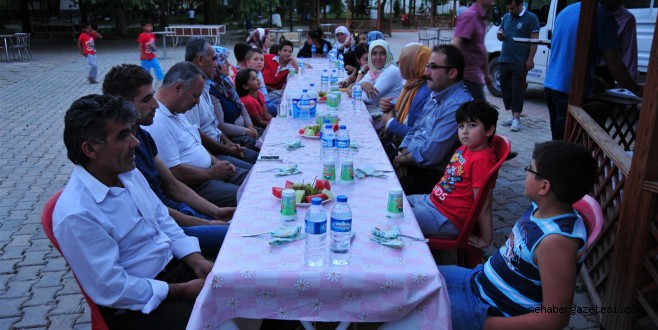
(37, 289)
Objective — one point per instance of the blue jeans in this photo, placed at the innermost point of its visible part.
(468, 312)
(155, 65)
(430, 220)
(210, 238)
(557, 103)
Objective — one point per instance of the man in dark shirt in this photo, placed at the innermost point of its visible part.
(196, 216)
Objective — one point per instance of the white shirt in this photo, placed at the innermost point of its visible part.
(177, 140)
(389, 83)
(116, 240)
(203, 115)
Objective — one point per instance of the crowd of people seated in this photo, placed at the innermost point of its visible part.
(182, 152)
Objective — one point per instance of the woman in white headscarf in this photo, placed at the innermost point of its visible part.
(345, 45)
(258, 38)
(382, 78)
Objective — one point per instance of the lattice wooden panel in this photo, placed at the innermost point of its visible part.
(647, 295)
(613, 165)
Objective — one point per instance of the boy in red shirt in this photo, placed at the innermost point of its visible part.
(87, 48)
(443, 212)
(147, 49)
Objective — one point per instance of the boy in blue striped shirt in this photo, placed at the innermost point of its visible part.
(530, 281)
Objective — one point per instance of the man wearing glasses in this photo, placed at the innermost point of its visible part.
(427, 147)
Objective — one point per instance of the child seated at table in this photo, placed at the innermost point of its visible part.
(442, 213)
(535, 271)
(248, 86)
(256, 61)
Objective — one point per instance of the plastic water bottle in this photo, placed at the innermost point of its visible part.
(341, 231)
(333, 80)
(304, 106)
(313, 50)
(342, 143)
(316, 233)
(324, 81)
(311, 88)
(300, 63)
(328, 140)
(341, 68)
(325, 50)
(325, 121)
(356, 97)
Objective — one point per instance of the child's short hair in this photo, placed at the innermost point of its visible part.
(476, 109)
(250, 53)
(241, 78)
(284, 43)
(240, 50)
(145, 23)
(274, 50)
(569, 167)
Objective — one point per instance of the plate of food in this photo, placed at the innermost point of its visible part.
(322, 97)
(304, 192)
(310, 132)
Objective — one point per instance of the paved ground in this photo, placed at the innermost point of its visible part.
(37, 290)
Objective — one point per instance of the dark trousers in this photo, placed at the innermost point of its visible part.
(557, 103)
(171, 314)
(420, 180)
(513, 85)
(476, 90)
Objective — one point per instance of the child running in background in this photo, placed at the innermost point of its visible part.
(87, 47)
(443, 212)
(147, 54)
(534, 274)
(248, 86)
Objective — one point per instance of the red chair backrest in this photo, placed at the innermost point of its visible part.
(590, 210)
(97, 321)
(502, 146)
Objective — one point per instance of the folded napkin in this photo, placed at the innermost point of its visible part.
(362, 173)
(389, 237)
(288, 170)
(354, 145)
(293, 144)
(285, 234)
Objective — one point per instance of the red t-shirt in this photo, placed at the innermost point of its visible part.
(88, 45)
(147, 45)
(273, 80)
(255, 105)
(453, 194)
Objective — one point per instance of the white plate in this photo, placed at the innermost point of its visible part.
(307, 204)
(309, 137)
(621, 92)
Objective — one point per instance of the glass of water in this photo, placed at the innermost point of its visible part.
(282, 110)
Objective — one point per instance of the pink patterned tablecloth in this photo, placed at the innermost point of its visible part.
(253, 279)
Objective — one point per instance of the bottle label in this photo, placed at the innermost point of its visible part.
(316, 228)
(288, 209)
(329, 171)
(347, 172)
(343, 143)
(356, 94)
(341, 226)
(395, 204)
(328, 143)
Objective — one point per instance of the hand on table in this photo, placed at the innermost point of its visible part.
(223, 213)
(385, 104)
(369, 89)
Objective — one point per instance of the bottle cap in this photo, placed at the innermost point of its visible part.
(341, 198)
(327, 125)
(316, 201)
(304, 91)
(342, 127)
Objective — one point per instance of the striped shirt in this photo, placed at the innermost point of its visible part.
(510, 280)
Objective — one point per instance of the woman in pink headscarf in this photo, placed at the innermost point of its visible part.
(259, 38)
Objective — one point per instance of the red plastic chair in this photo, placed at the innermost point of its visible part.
(590, 211)
(97, 321)
(467, 255)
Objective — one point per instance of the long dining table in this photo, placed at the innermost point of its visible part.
(253, 279)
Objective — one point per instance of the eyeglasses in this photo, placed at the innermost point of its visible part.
(528, 169)
(432, 67)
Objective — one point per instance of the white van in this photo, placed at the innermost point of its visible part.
(546, 10)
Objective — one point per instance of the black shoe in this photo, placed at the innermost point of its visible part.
(511, 155)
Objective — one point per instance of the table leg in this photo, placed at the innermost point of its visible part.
(6, 49)
(164, 46)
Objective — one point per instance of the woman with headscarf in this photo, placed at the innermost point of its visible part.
(382, 78)
(233, 118)
(259, 38)
(345, 46)
(399, 118)
(374, 35)
(314, 37)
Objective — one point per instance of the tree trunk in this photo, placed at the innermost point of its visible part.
(26, 25)
(164, 12)
(206, 12)
(119, 19)
(83, 12)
